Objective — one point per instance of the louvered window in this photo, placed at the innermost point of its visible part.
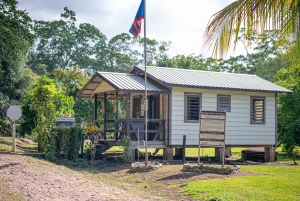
(224, 103)
(192, 107)
(258, 110)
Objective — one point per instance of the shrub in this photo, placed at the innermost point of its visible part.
(296, 152)
(67, 142)
(125, 144)
(75, 142)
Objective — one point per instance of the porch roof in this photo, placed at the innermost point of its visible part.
(174, 77)
(103, 82)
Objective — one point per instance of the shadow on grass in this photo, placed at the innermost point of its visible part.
(106, 165)
(27, 149)
(284, 157)
(110, 164)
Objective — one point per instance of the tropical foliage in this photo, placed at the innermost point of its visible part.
(254, 15)
(62, 44)
(289, 108)
(15, 40)
(47, 103)
(65, 142)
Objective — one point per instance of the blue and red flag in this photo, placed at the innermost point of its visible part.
(137, 23)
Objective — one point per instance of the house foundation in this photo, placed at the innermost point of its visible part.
(178, 152)
(168, 153)
(219, 153)
(269, 154)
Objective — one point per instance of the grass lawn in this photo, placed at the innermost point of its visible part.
(279, 182)
(272, 181)
(22, 145)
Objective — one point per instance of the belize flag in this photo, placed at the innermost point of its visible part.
(137, 23)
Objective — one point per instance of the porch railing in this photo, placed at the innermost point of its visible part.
(134, 128)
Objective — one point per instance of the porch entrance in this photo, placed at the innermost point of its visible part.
(119, 109)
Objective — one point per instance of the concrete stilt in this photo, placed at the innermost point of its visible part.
(228, 152)
(218, 154)
(168, 154)
(269, 154)
(178, 152)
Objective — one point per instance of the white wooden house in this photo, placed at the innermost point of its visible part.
(175, 98)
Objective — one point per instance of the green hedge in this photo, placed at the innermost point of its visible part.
(67, 142)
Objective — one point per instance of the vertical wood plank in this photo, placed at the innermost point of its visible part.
(127, 114)
(105, 112)
(95, 108)
(116, 118)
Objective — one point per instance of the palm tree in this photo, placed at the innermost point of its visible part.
(254, 15)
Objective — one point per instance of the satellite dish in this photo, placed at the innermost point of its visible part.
(14, 112)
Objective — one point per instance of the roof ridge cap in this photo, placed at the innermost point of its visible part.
(194, 70)
(102, 72)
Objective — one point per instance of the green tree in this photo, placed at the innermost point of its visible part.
(155, 49)
(5, 127)
(29, 116)
(289, 107)
(122, 54)
(72, 80)
(62, 44)
(15, 40)
(125, 51)
(34, 64)
(42, 105)
(265, 60)
(254, 15)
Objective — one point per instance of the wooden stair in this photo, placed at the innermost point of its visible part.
(102, 146)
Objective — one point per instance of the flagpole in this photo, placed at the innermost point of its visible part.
(146, 98)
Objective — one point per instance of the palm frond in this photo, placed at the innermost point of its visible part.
(255, 16)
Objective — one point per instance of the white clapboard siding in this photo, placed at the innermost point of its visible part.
(249, 142)
(239, 130)
(258, 137)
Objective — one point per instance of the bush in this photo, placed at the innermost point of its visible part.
(125, 144)
(74, 142)
(296, 153)
(5, 125)
(67, 142)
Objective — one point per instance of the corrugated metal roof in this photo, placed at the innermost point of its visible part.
(130, 82)
(210, 79)
(122, 82)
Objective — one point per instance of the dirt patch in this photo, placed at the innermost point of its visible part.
(35, 179)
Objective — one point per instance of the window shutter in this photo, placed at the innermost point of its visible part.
(192, 107)
(224, 103)
(193, 103)
(257, 110)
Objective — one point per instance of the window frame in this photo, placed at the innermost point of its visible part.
(218, 102)
(186, 94)
(252, 100)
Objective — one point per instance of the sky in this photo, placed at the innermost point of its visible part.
(182, 22)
